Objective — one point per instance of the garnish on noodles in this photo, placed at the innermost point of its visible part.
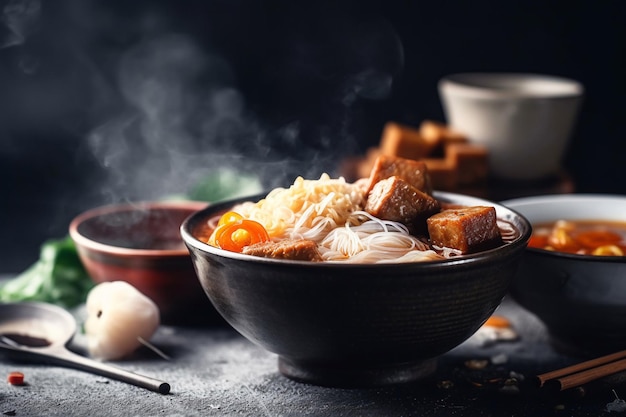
(233, 232)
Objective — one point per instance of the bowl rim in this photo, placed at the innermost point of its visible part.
(476, 258)
(519, 203)
(574, 256)
(561, 198)
(82, 241)
(484, 85)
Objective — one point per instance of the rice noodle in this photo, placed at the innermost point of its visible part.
(306, 208)
(507, 231)
(374, 240)
(447, 252)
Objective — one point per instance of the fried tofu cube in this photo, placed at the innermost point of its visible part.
(436, 132)
(395, 199)
(442, 173)
(471, 162)
(405, 142)
(411, 171)
(468, 230)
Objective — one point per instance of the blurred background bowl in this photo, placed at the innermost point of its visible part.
(580, 298)
(140, 243)
(517, 117)
(342, 324)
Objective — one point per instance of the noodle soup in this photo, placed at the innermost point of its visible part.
(355, 324)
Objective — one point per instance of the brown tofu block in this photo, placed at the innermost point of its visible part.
(295, 250)
(405, 142)
(469, 229)
(440, 134)
(412, 171)
(436, 132)
(395, 199)
(442, 172)
(471, 162)
(452, 162)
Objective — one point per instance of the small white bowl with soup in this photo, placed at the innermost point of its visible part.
(573, 274)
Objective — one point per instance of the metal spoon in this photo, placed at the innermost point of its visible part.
(40, 332)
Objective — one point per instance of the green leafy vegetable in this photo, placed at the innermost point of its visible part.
(57, 277)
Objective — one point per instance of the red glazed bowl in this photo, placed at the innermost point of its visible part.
(140, 243)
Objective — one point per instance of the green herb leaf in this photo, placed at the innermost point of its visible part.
(58, 277)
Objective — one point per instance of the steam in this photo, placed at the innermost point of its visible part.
(20, 18)
(183, 118)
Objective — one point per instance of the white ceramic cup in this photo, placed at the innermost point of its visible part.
(524, 120)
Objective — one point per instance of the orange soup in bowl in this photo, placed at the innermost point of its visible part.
(582, 237)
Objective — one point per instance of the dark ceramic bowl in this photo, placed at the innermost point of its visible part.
(356, 325)
(580, 298)
(140, 243)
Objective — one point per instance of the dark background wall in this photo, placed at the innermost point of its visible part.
(105, 101)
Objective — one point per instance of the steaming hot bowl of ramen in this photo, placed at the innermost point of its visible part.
(140, 243)
(357, 284)
(573, 275)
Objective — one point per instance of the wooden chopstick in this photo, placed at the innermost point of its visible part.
(584, 372)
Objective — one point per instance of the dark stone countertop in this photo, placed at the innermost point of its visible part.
(215, 371)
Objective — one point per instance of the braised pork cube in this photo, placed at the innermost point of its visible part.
(469, 229)
(395, 199)
(295, 250)
(412, 171)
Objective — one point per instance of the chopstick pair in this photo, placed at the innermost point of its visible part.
(583, 373)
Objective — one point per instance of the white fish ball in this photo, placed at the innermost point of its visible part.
(118, 315)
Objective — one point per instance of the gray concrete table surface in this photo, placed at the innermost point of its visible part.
(214, 371)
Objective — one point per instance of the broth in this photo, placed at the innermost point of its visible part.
(582, 237)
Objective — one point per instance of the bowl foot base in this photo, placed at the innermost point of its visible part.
(356, 374)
